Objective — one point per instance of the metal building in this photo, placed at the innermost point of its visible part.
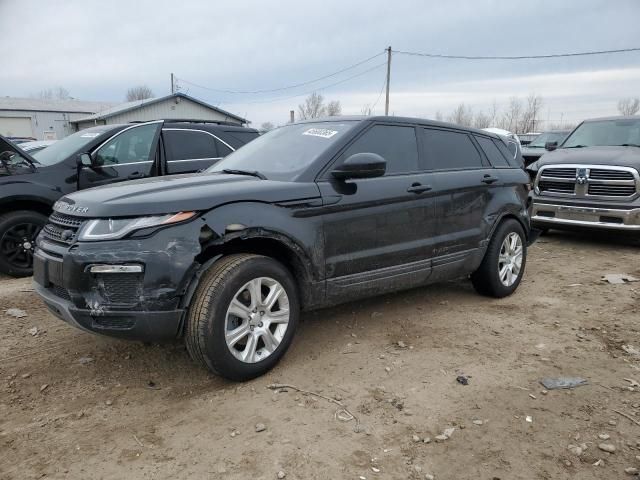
(43, 119)
(175, 106)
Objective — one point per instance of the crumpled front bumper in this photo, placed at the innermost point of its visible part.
(141, 305)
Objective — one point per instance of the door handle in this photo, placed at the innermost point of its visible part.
(489, 179)
(135, 175)
(418, 188)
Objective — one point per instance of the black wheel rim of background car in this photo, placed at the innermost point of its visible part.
(17, 244)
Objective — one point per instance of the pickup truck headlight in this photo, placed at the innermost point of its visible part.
(115, 228)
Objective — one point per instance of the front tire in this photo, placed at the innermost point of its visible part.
(503, 265)
(243, 316)
(18, 232)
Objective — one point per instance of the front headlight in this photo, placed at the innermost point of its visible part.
(114, 228)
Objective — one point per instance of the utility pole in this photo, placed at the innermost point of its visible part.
(386, 101)
(292, 116)
(173, 85)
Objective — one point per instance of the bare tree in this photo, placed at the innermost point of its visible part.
(462, 115)
(366, 110)
(140, 92)
(313, 107)
(629, 106)
(493, 113)
(334, 108)
(439, 116)
(530, 114)
(480, 120)
(511, 117)
(266, 126)
(57, 93)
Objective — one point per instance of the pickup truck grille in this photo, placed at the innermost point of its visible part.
(62, 228)
(588, 181)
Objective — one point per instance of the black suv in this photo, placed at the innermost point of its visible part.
(308, 215)
(29, 185)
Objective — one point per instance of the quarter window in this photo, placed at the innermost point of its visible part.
(447, 150)
(190, 145)
(397, 145)
(493, 154)
(131, 146)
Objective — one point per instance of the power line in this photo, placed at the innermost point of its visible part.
(384, 83)
(319, 89)
(288, 87)
(517, 57)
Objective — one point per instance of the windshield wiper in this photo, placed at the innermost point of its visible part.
(629, 145)
(252, 173)
(576, 146)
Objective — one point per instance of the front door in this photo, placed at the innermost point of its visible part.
(378, 231)
(131, 154)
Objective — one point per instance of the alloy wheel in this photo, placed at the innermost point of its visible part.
(18, 243)
(257, 319)
(510, 259)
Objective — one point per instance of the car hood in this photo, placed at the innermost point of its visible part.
(177, 193)
(615, 156)
(11, 167)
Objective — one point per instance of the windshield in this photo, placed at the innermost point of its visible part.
(543, 138)
(284, 153)
(66, 147)
(605, 133)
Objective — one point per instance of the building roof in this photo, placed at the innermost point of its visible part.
(126, 107)
(51, 105)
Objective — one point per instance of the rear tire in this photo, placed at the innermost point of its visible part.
(504, 262)
(243, 316)
(18, 232)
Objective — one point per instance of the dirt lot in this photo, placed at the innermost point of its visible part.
(78, 406)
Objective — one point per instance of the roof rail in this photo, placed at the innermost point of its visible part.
(189, 120)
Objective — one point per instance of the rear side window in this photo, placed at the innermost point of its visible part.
(492, 152)
(397, 145)
(189, 145)
(506, 152)
(447, 150)
(237, 139)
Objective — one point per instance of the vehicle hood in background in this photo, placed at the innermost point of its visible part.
(614, 156)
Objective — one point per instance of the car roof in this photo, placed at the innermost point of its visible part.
(213, 127)
(393, 119)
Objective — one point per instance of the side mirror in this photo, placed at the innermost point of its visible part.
(361, 165)
(84, 160)
(551, 146)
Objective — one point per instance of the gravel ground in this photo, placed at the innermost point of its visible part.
(77, 406)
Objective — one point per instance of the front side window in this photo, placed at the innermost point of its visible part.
(397, 145)
(190, 145)
(605, 133)
(543, 138)
(449, 150)
(131, 146)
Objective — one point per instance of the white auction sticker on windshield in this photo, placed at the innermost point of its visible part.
(320, 132)
(90, 135)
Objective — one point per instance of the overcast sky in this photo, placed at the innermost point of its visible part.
(97, 49)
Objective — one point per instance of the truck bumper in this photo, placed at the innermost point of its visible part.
(549, 215)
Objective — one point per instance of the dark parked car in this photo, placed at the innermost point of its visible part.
(537, 147)
(592, 180)
(30, 184)
(308, 215)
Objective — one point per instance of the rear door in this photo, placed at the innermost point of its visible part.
(191, 150)
(378, 231)
(130, 154)
(462, 184)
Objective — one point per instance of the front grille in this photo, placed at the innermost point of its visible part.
(120, 288)
(611, 190)
(61, 292)
(62, 228)
(599, 174)
(587, 181)
(556, 187)
(560, 172)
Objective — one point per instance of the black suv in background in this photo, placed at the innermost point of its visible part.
(29, 185)
(539, 145)
(308, 215)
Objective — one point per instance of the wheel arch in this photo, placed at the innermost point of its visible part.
(36, 204)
